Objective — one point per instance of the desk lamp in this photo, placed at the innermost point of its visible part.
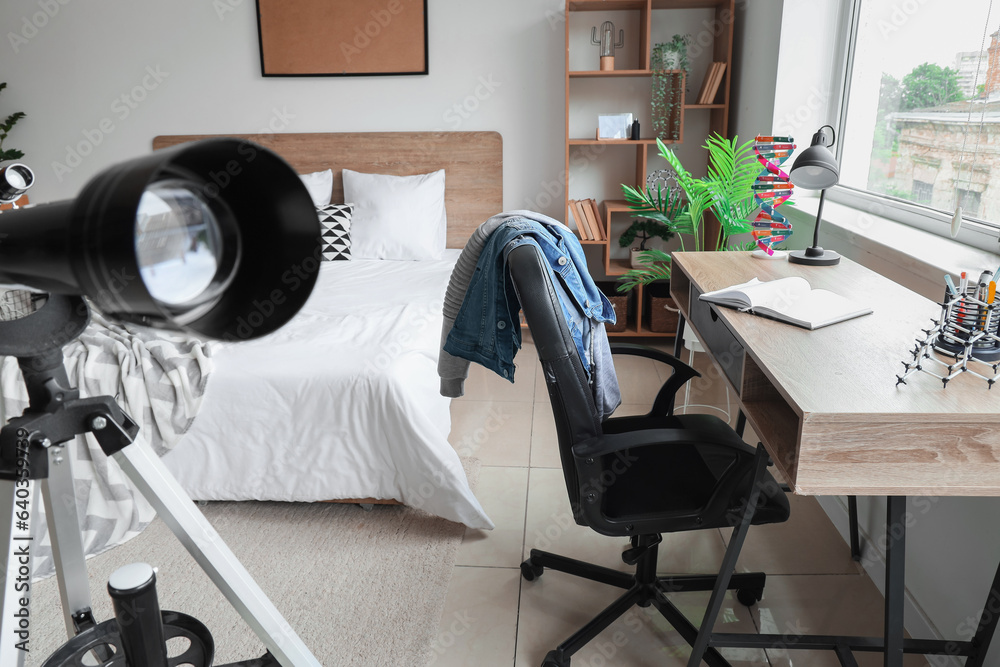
(816, 169)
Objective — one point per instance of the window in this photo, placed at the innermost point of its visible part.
(969, 201)
(922, 86)
(922, 193)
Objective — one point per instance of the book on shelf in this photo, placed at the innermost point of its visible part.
(584, 226)
(703, 93)
(588, 212)
(580, 226)
(790, 300)
(711, 83)
(598, 221)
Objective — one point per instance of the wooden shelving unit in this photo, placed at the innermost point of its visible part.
(720, 51)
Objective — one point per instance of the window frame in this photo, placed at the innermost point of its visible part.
(975, 232)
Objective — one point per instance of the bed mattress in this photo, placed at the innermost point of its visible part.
(342, 402)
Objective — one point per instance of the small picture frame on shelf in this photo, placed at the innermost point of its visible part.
(614, 126)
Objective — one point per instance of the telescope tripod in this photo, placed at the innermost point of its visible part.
(33, 458)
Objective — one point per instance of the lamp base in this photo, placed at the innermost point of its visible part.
(814, 256)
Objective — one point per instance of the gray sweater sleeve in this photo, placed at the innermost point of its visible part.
(454, 370)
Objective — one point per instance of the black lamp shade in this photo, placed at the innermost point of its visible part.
(815, 168)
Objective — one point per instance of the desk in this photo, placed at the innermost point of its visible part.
(826, 407)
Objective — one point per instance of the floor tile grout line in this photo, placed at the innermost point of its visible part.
(520, 579)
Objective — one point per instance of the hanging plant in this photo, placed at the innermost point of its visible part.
(667, 97)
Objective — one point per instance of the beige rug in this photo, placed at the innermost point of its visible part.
(359, 588)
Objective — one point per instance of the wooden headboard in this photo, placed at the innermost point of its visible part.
(473, 164)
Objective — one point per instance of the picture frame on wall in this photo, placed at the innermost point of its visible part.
(342, 37)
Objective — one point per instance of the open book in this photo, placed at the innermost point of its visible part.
(790, 300)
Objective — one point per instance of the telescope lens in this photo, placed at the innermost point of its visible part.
(179, 245)
(16, 179)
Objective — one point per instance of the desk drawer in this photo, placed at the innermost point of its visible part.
(719, 340)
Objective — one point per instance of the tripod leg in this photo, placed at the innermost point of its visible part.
(160, 488)
(16, 541)
(58, 494)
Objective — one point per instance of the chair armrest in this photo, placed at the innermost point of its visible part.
(663, 404)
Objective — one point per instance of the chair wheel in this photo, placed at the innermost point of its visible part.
(749, 596)
(554, 659)
(530, 572)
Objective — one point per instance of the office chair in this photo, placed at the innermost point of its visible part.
(642, 476)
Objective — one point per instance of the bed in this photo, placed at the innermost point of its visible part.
(342, 403)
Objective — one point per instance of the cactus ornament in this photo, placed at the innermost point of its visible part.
(607, 43)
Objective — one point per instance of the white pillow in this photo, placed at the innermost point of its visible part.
(397, 217)
(320, 186)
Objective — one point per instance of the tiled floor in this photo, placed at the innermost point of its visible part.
(494, 618)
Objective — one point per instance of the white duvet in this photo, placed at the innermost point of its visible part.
(342, 402)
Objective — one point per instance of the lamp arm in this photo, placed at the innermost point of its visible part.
(819, 220)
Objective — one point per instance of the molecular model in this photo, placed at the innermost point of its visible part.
(771, 190)
(966, 334)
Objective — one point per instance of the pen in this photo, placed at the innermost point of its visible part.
(993, 292)
(984, 286)
(996, 276)
(962, 284)
(951, 284)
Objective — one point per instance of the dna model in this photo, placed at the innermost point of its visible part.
(771, 190)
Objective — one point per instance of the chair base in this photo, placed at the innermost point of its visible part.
(643, 588)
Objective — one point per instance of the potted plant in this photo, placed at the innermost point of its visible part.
(726, 192)
(668, 96)
(5, 128)
(645, 229)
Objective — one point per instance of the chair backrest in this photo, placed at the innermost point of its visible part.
(569, 392)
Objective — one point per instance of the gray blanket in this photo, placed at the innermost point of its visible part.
(159, 379)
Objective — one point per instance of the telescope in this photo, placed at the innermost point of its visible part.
(15, 179)
(191, 238)
(196, 238)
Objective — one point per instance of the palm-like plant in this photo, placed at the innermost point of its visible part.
(725, 191)
(5, 128)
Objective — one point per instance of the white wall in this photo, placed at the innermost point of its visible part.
(756, 40)
(493, 66)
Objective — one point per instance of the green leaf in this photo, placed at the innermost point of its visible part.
(11, 154)
(11, 121)
(656, 266)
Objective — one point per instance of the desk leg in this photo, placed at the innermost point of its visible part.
(704, 639)
(679, 337)
(852, 512)
(987, 625)
(895, 561)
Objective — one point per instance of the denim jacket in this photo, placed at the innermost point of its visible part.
(487, 328)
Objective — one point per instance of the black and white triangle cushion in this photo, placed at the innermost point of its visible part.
(335, 241)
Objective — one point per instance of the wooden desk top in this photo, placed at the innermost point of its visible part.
(826, 403)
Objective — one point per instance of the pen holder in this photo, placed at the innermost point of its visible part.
(966, 318)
